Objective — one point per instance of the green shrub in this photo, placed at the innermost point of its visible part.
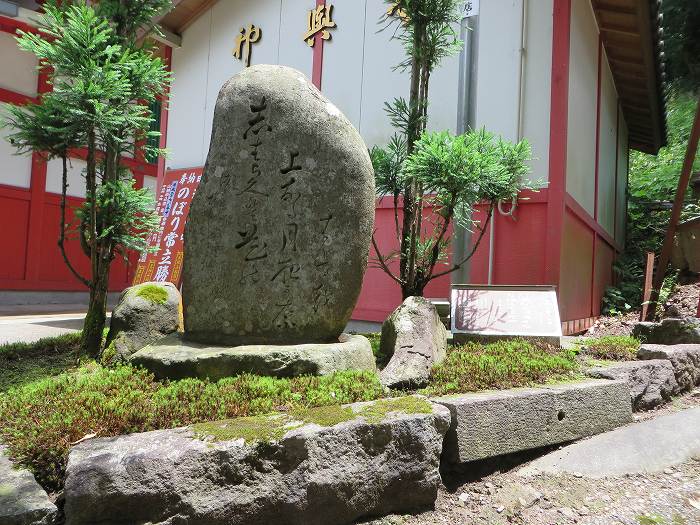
(611, 347)
(503, 364)
(39, 421)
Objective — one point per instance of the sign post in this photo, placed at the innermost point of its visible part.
(163, 263)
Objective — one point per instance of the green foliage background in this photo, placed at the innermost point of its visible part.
(652, 186)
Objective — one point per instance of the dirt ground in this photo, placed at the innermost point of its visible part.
(502, 497)
(682, 303)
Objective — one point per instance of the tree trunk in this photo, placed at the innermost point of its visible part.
(93, 327)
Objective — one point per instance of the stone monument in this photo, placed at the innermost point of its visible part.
(277, 239)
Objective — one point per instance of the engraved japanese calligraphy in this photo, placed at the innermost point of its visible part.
(278, 234)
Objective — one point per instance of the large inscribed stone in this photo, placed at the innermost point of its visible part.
(278, 233)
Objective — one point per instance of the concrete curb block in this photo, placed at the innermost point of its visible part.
(488, 424)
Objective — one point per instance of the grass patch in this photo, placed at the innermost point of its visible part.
(39, 421)
(152, 292)
(502, 364)
(611, 348)
(23, 363)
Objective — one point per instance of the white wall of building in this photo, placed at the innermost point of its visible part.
(537, 87)
(583, 82)
(15, 170)
(608, 149)
(622, 173)
(76, 178)
(358, 74)
(19, 67)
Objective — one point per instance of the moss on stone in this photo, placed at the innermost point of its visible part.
(273, 427)
(378, 410)
(6, 489)
(264, 428)
(152, 292)
(324, 416)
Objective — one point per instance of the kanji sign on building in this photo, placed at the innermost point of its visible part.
(165, 265)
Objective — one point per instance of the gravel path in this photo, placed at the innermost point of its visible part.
(671, 497)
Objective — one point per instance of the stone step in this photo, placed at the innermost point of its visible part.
(312, 467)
(489, 424)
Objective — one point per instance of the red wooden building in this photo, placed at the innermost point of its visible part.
(581, 79)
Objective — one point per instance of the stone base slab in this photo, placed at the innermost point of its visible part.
(328, 465)
(175, 358)
(489, 424)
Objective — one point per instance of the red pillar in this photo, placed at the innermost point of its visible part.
(558, 126)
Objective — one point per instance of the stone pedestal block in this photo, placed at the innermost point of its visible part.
(175, 358)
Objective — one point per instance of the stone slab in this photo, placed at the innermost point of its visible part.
(22, 500)
(685, 360)
(489, 424)
(651, 383)
(175, 358)
(644, 447)
(382, 459)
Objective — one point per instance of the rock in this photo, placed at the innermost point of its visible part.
(651, 383)
(318, 466)
(174, 358)
(278, 234)
(145, 313)
(22, 500)
(517, 496)
(669, 331)
(416, 339)
(489, 424)
(685, 360)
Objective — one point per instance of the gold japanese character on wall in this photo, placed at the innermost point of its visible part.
(396, 10)
(244, 41)
(320, 20)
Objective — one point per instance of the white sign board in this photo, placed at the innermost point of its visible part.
(505, 311)
(471, 8)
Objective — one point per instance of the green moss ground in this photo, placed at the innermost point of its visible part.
(610, 348)
(24, 363)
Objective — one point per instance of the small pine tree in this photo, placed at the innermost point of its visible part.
(103, 82)
(421, 170)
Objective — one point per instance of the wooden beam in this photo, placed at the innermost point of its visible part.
(619, 29)
(604, 7)
(199, 11)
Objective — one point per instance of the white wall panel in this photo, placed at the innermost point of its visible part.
(76, 179)
(342, 58)
(18, 67)
(151, 183)
(499, 67)
(538, 85)
(15, 170)
(607, 150)
(622, 172)
(293, 51)
(380, 82)
(583, 81)
(186, 139)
